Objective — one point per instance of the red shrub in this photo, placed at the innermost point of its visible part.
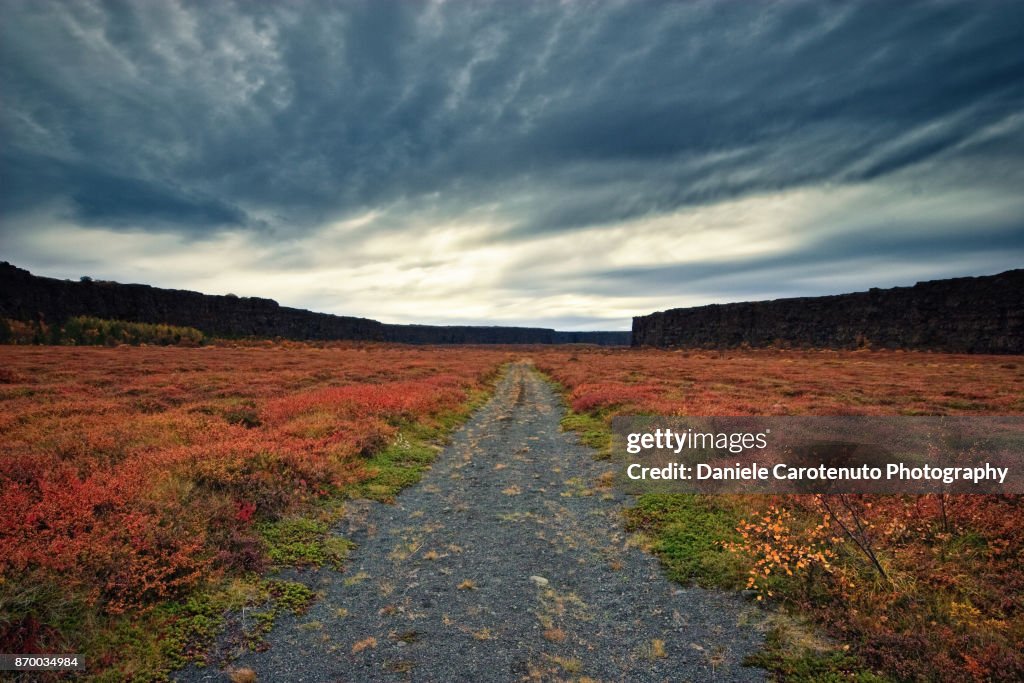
(129, 475)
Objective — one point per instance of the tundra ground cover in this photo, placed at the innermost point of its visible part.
(133, 480)
(928, 588)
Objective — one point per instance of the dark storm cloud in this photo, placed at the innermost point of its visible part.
(200, 116)
(102, 197)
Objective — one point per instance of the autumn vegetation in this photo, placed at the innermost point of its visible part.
(84, 330)
(144, 489)
(918, 588)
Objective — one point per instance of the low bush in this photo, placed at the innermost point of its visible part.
(918, 587)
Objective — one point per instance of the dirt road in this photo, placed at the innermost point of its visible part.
(507, 562)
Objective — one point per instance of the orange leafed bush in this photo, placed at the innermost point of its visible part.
(778, 546)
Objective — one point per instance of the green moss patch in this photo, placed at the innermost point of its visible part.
(591, 430)
(789, 662)
(687, 533)
(303, 542)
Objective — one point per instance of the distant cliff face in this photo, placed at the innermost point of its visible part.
(970, 314)
(24, 296)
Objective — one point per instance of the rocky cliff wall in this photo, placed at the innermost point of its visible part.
(24, 296)
(461, 334)
(970, 314)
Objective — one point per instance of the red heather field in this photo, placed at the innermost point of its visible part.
(130, 476)
(923, 587)
(769, 382)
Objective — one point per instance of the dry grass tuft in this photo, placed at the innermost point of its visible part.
(366, 643)
(555, 635)
(242, 676)
(569, 664)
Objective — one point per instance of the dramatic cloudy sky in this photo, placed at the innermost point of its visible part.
(565, 164)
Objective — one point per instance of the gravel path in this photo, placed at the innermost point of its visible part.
(507, 562)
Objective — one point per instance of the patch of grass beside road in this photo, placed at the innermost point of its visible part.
(403, 462)
(687, 533)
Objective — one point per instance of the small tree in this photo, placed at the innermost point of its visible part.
(848, 512)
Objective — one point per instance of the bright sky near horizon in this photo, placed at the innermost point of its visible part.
(561, 164)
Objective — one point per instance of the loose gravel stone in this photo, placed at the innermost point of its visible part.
(434, 590)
